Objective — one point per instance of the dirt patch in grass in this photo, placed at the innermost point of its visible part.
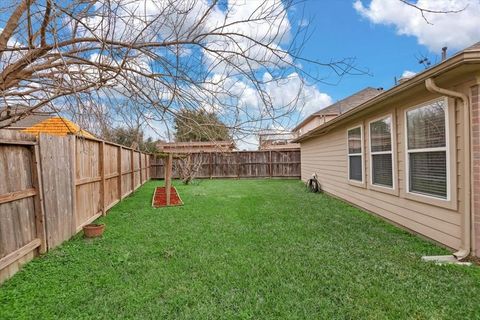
(160, 197)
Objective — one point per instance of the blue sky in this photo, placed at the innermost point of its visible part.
(341, 31)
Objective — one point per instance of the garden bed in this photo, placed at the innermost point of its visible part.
(160, 198)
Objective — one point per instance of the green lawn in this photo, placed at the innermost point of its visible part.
(242, 249)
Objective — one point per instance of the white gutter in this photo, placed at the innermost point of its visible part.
(466, 245)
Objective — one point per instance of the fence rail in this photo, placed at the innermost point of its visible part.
(50, 187)
(240, 164)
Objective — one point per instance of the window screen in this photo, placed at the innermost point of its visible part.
(381, 152)
(355, 154)
(427, 151)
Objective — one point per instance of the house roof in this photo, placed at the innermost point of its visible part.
(27, 120)
(57, 126)
(469, 56)
(344, 105)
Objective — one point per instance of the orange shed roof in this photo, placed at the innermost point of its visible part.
(57, 126)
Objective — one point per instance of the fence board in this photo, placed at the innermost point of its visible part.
(58, 188)
(112, 176)
(17, 208)
(126, 172)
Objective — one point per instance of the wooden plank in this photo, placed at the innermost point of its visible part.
(17, 217)
(38, 202)
(237, 155)
(168, 177)
(132, 168)
(90, 220)
(17, 254)
(112, 204)
(119, 170)
(211, 165)
(270, 163)
(73, 177)
(17, 142)
(111, 175)
(141, 172)
(57, 156)
(102, 175)
(17, 195)
(83, 181)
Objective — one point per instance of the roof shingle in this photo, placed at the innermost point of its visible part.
(57, 126)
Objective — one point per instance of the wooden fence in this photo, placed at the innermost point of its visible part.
(51, 187)
(240, 164)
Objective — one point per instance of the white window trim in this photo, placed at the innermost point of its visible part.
(446, 149)
(371, 153)
(356, 154)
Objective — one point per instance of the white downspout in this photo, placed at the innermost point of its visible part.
(466, 246)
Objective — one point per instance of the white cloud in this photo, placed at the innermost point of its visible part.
(303, 23)
(249, 142)
(408, 74)
(454, 30)
(293, 91)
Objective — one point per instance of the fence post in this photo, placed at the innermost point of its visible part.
(132, 168)
(120, 176)
(102, 175)
(140, 155)
(38, 200)
(168, 177)
(270, 163)
(211, 165)
(237, 162)
(73, 160)
(149, 168)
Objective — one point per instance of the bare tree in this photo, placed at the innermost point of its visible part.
(425, 10)
(104, 60)
(187, 166)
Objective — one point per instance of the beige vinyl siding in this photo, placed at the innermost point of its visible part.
(327, 156)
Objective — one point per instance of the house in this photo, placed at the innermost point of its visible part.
(277, 141)
(410, 154)
(331, 112)
(43, 122)
(196, 146)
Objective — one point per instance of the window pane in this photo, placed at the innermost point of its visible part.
(382, 170)
(355, 140)
(356, 168)
(380, 135)
(426, 126)
(428, 173)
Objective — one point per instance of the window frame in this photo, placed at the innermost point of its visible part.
(447, 149)
(392, 152)
(361, 154)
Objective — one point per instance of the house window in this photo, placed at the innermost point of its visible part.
(381, 156)
(427, 160)
(355, 161)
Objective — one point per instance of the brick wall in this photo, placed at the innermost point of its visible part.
(476, 164)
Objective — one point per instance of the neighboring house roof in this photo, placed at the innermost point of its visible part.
(289, 146)
(343, 105)
(30, 120)
(56, 126)
(470, 55)
(196, 146)
(276, 141)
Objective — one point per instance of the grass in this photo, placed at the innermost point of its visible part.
(242, 249)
